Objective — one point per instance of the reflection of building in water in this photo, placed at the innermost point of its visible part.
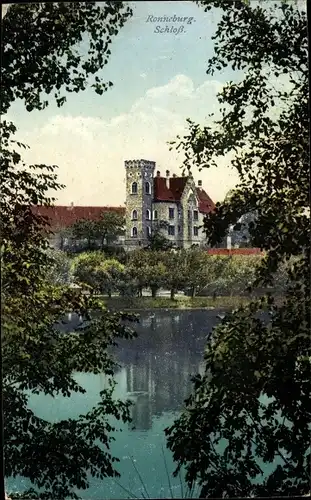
(141, 412)
(140, 387)
(159, 368)
(173, 382)
(139, 376)
(159, 383)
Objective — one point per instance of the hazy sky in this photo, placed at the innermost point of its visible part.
(159, 80)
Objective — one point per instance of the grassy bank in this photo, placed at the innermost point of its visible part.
(142, 303)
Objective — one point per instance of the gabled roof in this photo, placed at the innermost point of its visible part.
(65, 216)
(174, 193)
(206, 204)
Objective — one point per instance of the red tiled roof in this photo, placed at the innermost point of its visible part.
(65, 216)
(177, 186)
(162, 193)
(206, 205)
(234, 251)
(174, 193)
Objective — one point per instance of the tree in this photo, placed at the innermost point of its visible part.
(109, 227)
(84, 269)
(38, 357)
(238, 274)
(197, 273)
(147, 269)
(59, 271)
(99, 233)
(252, 403)
(110, 274)
(157, 240)
(85, 229)
(176, 270)
(40, 55)
(66, 235)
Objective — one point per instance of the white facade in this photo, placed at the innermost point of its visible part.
(180, 221)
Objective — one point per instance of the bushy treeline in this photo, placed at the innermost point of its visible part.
(193, 271)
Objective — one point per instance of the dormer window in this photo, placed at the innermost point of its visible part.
(134, 215)
(147, 188)
(148, 214)
(134, 232)
(195, 215)
(134, 188)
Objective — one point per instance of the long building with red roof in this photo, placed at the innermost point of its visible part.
(176, 205)
(62, 216)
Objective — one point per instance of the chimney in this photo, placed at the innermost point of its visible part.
(168, 179)
(158, 173)
(174, 175)
(199, 184)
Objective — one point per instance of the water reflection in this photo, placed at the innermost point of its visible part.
(158, 365)
(155, 371)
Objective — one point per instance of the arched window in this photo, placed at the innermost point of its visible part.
(148, 230)
(155, 214)
(134, 232)
(134, 188)
(134, 215)
(148, 214)
(147, 188)
(192, 201)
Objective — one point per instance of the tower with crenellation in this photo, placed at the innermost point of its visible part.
(139, 201)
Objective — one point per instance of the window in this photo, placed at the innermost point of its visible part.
(155, 214)
(148, 231)
(147, 188)
(189, 214)
(148, 214)
(134, 215)
(134, 188)
(196, 231)
(134, 232)
(179, 229)
(171, 213)
(195, 215)
(171, 230)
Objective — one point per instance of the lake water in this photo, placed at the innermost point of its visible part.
(155, 374)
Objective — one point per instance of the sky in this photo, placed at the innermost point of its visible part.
(159, 81)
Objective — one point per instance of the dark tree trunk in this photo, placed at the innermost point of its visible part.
(193, 290)
(172, 293)
(154, 290)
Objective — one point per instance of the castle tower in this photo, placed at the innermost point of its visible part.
(139, 200)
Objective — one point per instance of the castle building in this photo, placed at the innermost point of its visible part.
(176, 206)
(173, 205)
